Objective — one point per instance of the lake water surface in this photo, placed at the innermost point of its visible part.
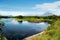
(14, 30)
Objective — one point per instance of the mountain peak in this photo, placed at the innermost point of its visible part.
(48, 14)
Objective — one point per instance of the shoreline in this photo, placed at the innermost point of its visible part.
(30, 37)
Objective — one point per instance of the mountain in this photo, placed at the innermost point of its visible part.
(48, 14)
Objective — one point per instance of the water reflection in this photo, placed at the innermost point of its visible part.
(17, 30)
(20, 21)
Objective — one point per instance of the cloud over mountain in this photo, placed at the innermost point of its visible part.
(53, 7)
(37, 10)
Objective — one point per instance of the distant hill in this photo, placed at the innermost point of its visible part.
(48, 14)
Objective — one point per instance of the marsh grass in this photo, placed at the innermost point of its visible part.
(52, 32)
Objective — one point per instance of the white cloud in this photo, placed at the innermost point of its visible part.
(49, 7)
(38, 10)
(13, 13)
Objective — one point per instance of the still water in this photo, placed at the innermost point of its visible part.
(14, 30)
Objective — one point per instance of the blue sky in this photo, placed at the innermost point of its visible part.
(27, 7)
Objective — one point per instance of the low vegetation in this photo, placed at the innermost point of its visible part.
(1, 35)
(36, 18)
(52, 32)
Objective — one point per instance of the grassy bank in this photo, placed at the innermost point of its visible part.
(52, 33)
(37, 19)
(1, 35)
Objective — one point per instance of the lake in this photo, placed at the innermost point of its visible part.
(14, 30)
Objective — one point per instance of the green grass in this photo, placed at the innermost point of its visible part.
(52, 32)
(2, 24)
(36, 20)
(3, 38)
